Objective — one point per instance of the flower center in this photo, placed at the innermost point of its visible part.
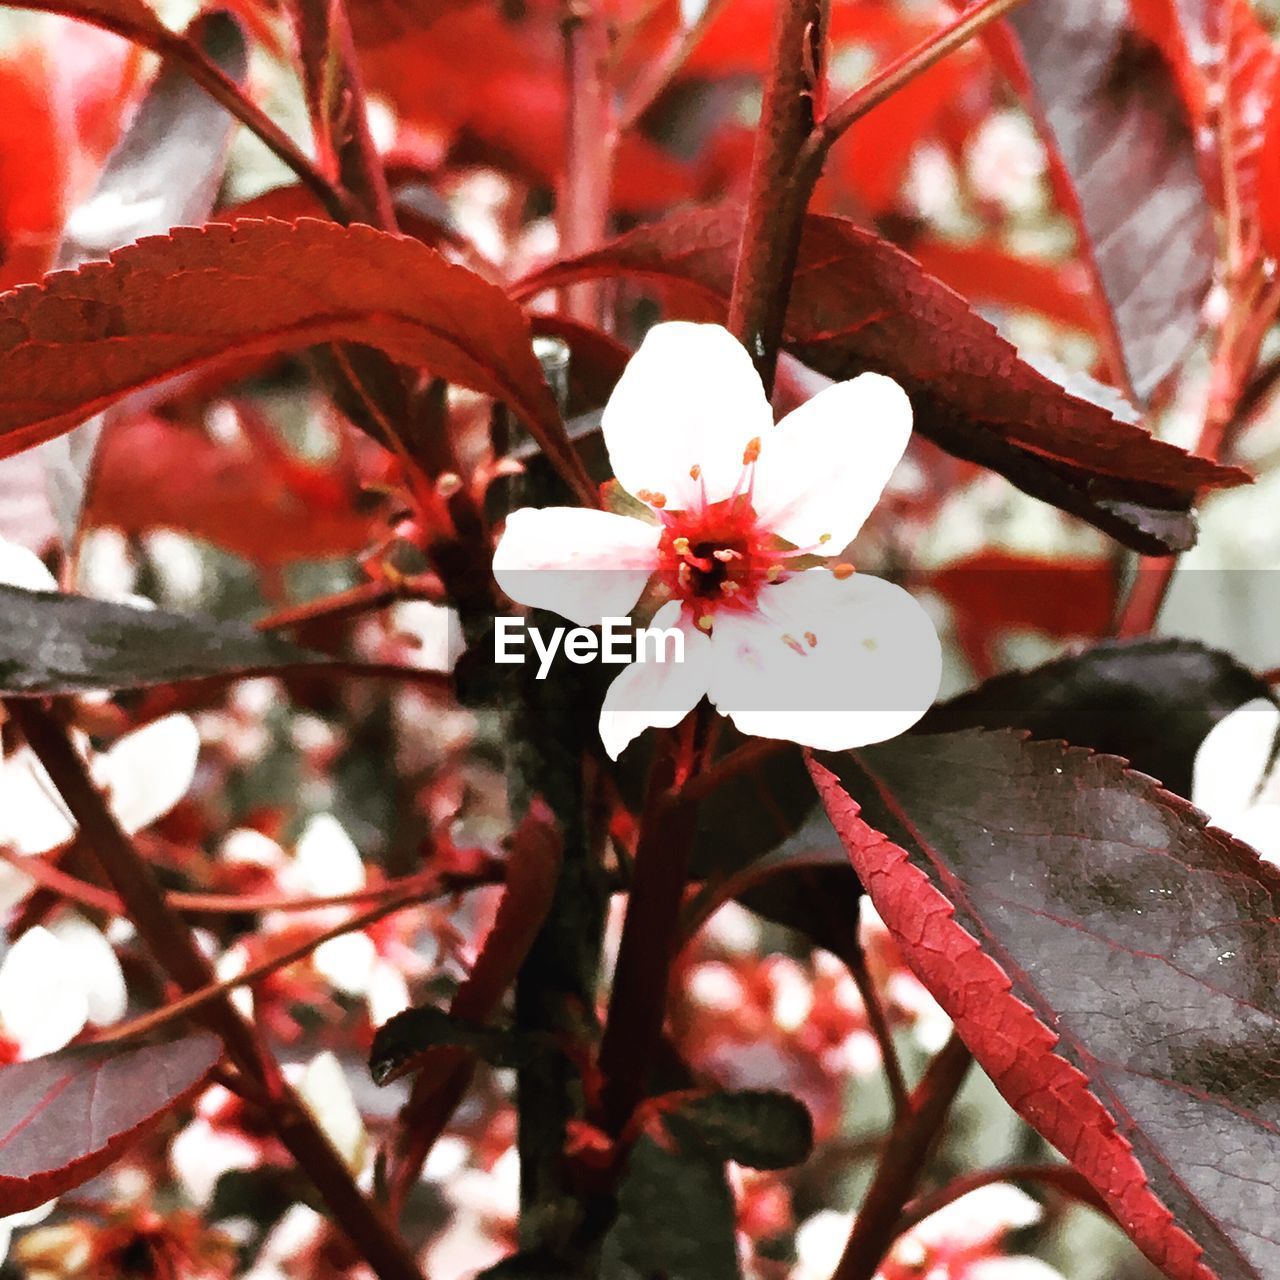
(715, 557)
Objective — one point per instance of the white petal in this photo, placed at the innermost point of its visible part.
(656, 695)
(1232, 760)
(43, 1004)
(203, 1152)
(100, 975)
(6, 1235)
(1010, 1267)
(325, 1092)
(823, 468)
(388, 993)
(347, 962)
(14, 886)
(979, 1217)
(22, 568)
(151, 769)
(30, 1217)
(872, 674)
(33, 818)
(326, 861)
(582, 564)
(1259, 827)
(690, 397)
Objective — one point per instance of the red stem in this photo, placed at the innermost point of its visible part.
(1062, 1177)
(650, 937)
(583, 203)
(779, 192)
(901, 1163)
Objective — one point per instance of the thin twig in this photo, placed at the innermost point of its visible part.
(886, 82)
(1062, 1177)
(203, 996)
(656, 78)
(902, 1161)
(878, 1023)
(219, 86)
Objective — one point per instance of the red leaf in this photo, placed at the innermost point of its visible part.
(33, 156)
(65, 1118)
(1109, 960)
(1122, 151)
(984, 272)
(859, 303)
(81, 339)
(269, 509)
(532, 869)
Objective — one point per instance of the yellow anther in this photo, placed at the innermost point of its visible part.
(843, 571)
(728, 587)
(705, 622)
(727, 554)
(826, 537)
(448, 484)
(773, 572)
(681, 546)
(751, 452)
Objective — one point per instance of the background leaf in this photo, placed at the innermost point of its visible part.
(66, 1117)
(165, 172)
(1123, 155)
(52, 644)
(759, 1128)
(675, 1218)
(82, 339)
(1110, 962)
(1151, 701)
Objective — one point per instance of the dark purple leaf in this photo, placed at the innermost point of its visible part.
(66, 1117)
(1122, 144)
(1112, 963)
(54, 644)
(859, 303)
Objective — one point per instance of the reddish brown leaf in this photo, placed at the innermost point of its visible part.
(82, 339)
(860, 303)
(1126, 170)
(65, 1118)
(256, 503)
(1110, 961)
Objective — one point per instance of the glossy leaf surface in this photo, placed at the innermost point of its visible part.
(66, 1117)
(1111, 963)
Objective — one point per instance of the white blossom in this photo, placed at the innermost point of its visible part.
(737, 528)
(1235, 780)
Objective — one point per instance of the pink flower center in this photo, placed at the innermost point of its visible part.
(716, 557)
